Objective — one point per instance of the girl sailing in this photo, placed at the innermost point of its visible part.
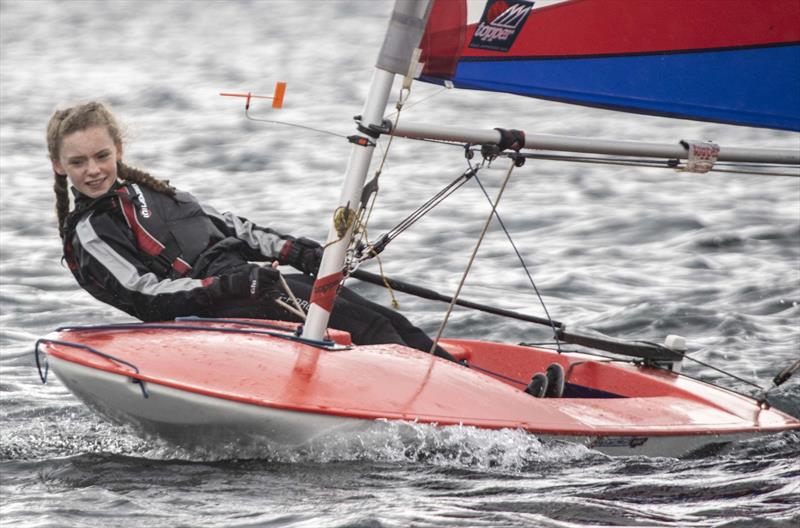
(156, 253)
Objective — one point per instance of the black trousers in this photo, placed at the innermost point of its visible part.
(367, 322)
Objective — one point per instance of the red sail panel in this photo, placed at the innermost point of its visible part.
(443, 38)
(614, 27)
(724, 61)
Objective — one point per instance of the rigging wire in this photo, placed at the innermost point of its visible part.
(754, 169)
(372, 187)
(432, 202)
(764, 392)
(712, 367)
(763, 169)
(521, 261)
(472, 258)
(460, 181)
(424, 99)
(369, 197)
(295, 125)
(719, 167)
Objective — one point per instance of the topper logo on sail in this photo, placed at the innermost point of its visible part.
(500, 24)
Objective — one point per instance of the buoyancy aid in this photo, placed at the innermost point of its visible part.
(170, 232)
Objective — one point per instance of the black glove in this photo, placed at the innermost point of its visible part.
(255, 283)
(303, 254)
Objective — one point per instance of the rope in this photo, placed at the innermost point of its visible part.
(395, 302)
(297, 309)
(747, 169)
(343, 219)
(524, 266)
(472, 258)
(367, 205)
(360, 233)
(366, 209)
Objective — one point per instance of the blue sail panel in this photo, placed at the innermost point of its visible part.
(741, 86)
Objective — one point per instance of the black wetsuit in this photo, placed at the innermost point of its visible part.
(157, 257)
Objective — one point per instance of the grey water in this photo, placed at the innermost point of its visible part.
(635, 253)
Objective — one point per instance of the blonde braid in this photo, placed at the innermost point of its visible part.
(62, 201)
(60, 184)
(131, 174)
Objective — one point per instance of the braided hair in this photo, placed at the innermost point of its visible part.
(77, 118)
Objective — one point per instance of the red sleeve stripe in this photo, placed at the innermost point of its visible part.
(284, 254)
(181, 266)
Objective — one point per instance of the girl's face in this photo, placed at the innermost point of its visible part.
(89, 159)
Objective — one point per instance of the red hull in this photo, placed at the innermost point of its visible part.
(397, 383)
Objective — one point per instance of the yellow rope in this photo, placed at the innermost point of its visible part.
(343, 219)
(395, 303)
(472, 257)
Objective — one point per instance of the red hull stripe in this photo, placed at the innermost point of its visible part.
(324, 292)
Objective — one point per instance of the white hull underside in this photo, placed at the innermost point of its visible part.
(190, 419)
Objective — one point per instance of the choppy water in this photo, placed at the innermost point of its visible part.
(636, 253)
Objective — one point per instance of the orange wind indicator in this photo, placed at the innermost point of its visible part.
(277, 97)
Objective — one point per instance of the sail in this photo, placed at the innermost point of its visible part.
(732, 62)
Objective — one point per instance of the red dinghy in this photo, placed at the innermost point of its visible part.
(200, 381)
